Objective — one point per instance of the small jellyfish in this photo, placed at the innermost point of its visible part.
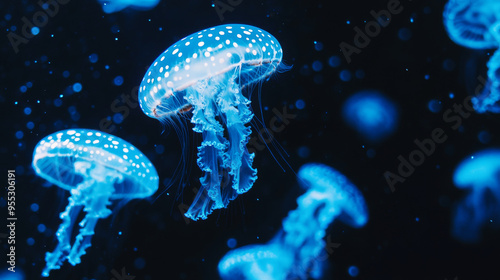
(480, 175)
(95, 168)
(112, 6)
(475, 24)
(371, 114)
(295, 251)
(205, 74)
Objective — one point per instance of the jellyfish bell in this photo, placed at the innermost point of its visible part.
(482, 170)
(480, 175)
(96, 168)
(254, 262)
(341, 192)
(205, 74)
(473, 23)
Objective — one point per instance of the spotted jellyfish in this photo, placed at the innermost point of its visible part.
(95, 168)
(206, 74)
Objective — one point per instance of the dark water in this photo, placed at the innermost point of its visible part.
(411, 60)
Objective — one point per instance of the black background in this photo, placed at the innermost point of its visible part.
(393, 245)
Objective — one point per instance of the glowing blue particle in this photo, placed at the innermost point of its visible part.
(434, 106)
(417, 219)
(34, 207)
(106, 67)
(160, 149)
(58, 102)
(77, 87)
(404, 34)
(345, 75)
(318, 46)
(65, 74)
(93, 58)
(30, 125)
(23, 89)
(19, 134)
(452, 95)
(231, 243)
(27, 111)
(210, 73)
(29, 84)
(118, 81)
(294, 253)
(304, 152)
(484, 137)
(317, 66)
(30, 241)
(139, 263)
(35, 30)
(41, 228)
(353, 271)
(118, 118)
(334, 61)
(427, 77)
(112, 6)
(8, 17)
(300, 104)
(95, 167)
(478, 177)
(371, 114)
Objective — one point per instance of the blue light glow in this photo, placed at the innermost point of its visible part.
(371, 114)
(478, 174)
(112, 6)
(201, 75)
(295, 252)
(77, 87)
(96, 168)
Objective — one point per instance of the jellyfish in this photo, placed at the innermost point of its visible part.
(205, 74)
(475, 24)
(480, 175)
(95, 168)
(371, 114)
(294, 253)
(113, 6)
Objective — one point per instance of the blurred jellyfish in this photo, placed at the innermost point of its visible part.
(95, 168)
(371, 114)
(480, 175)
(206, 73)
(294, 252)
(112, 6)
(475, 24)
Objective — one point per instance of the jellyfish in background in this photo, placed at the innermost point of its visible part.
(480, 174)
(112, 6)
(206, 73)
(294, 252)
(475, 24)
(371, 114)
(95, 168)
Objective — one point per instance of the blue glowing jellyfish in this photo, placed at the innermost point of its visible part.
(294, 252)
(95, 168)
(112, 6)
(480, 174)
(371, 114)
(205, 73)
(476, 24)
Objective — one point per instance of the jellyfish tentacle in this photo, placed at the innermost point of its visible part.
(96, 202)
(210, 152)
(235, 108)
(487, 100)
